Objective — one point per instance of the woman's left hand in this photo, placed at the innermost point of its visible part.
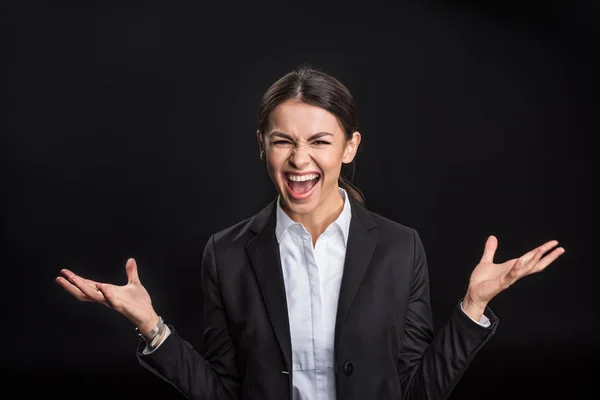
(488, 279)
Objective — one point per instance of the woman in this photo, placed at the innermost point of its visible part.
(315, 297)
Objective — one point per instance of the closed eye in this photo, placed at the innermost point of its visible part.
(288, 142)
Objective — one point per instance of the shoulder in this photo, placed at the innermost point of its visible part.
(238, 234)
(397, 239)
(387, 224)
(386, 227)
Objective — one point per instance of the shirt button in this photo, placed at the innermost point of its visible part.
(348, 369)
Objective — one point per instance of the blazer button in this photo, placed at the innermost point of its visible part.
(348, 369)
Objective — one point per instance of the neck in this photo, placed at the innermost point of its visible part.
(324, 214)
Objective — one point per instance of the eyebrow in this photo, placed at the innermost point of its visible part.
(313, 137)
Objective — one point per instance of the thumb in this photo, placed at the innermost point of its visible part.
(490, 249)
(132, 271)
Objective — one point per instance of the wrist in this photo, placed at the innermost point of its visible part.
(154, 337)
(473, 308)
(151, 323)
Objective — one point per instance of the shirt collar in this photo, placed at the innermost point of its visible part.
(342, 221)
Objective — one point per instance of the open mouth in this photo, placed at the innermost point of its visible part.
(301, 186)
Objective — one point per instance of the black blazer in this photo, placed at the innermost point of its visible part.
(384, 342)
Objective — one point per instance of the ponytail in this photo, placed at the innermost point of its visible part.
(352, 190)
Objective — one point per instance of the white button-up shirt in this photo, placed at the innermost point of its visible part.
(312, 277)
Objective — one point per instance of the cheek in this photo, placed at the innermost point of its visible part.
(330, 163)
(273, 167)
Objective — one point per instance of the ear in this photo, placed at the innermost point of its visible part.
(261, 145)
(259, 139)
(351, 148)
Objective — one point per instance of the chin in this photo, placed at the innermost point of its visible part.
(307, 205)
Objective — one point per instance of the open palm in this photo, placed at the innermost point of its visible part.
(488, 279)
(130, 300)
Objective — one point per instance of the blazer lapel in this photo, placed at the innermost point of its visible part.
(362, 240)
(263, 251)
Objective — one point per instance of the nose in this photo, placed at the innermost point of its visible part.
(300, 157)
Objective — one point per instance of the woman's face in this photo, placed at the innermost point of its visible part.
(304, 150)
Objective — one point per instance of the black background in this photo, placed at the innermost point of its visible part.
(129, 131)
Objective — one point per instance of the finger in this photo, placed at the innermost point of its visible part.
(526, 263)
(67, 273)
(91, 292)
(132, 271)
(516, 269)
(531, 263)
(70, 274)
(537, 253)
(72, 289)
(547, 260)
(527, 256)
(513, 273)
(490, 249)
(547, 246)
(109, 294)
(89, 282)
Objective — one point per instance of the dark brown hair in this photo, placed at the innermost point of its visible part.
(319, 89)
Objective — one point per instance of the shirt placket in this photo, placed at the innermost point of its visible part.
(317, 316)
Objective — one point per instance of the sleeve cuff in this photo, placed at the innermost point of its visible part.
(149, 350)
(484, 321)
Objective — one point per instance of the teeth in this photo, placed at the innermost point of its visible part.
(302, 178)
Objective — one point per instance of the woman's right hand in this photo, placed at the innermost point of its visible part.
(130, 300)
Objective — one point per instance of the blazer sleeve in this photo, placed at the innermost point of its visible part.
(429, 367)
(214, 375)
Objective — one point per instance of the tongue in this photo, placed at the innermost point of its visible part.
(302, 187)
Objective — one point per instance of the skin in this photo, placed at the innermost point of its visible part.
(301, 121)
(290, 146)
(488, 279)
